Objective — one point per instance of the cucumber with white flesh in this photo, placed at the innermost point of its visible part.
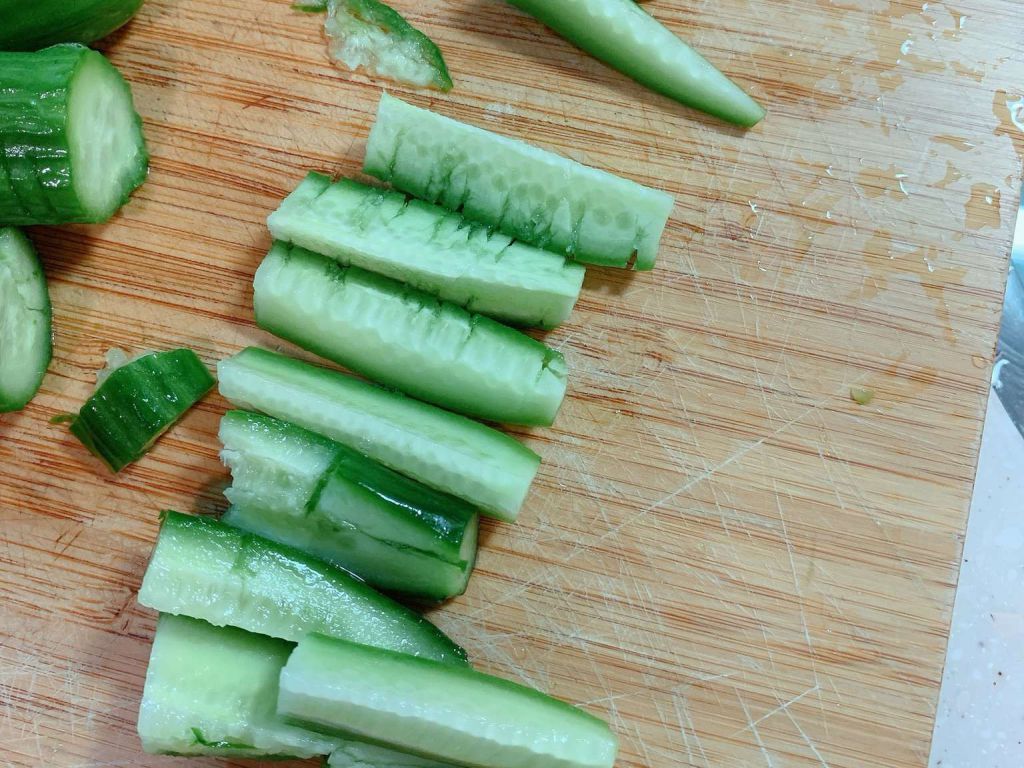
(356, 754)
(404, 338)
(29, 26)
(25, 321)
(429, 248)
(452, 714)
(71, 144)
(442, 450)
(528, 193)
(208, 570)
(626, 37)
(301, 489)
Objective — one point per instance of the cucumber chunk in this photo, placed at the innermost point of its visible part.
(429, 248)
(71, 144)
(29, 26)
(528, 193)
(25, 321)
(452, 714)
(210, 571)
(442, 450)
(404, 338)
(624, 36)
(355, 754)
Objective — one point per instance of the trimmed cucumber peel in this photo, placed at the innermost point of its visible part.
(529, 194)
(626, 37)
(404, 338)
(71, 144)
(25, 321)
(29, 26)
(442, 450)
(207, 570)
(429, 248)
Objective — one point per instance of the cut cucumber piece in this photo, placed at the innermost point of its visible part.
(354, 754)
(429, 248)
(29, 26)
(452, 714)
(207, 570)
(138, 402)
(301, 489)
(369, 35)
(442, 450)
(71, 145)
(407, 339)
(529, 194)
(624, 36)
(213, 691)
(25, 321)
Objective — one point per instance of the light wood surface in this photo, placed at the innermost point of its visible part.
(724, 554)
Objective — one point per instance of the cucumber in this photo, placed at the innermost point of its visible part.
(71, 144)
(210, 571)
(624, 36)
(442, 450)
(29, 26)
(138, 402)
(452, 714)
(355, 754)
(301, 489)
(25, 321)
(529, 194)
(429, 248)
(213, 691)
(407, 339)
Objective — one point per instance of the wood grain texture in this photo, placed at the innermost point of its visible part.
(724, 555)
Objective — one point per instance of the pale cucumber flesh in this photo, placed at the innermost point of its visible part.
(25, 321)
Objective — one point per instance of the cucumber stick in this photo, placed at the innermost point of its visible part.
(429, 248)
(25, 321)
(301, 489)
(442, 450)
(445, 713)
(29, 26)
(210, 571)
(529, 194)
(404, 338)
(626, 37)
(357, 754)
(71, 144)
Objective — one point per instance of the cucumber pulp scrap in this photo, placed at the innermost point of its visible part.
(442, 450)
(529, 194)
(445, 713)
(404, 338)
(624, 36)
(210, 571)
(138, 402)
(369, 35)
(29, 26)
(429, 248)
(25, 321)
(71, 144)
(301, 489)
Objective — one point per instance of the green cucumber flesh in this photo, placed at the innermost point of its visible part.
(29, 26)
(442, 450)
(71, 144)
(624, 36)
(528, 193)
(407, 339)
(457, 715)
(210, 571)
(25, 321)
(354, 754)
(429, 248)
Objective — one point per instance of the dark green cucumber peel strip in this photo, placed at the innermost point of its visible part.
(29, 26)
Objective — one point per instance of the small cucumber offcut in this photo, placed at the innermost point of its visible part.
(25, 321)
(29, 26)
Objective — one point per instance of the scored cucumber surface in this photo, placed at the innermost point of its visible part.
(71, 144)
(25, 321)
(29, 26)
(442, 450)
(626, 37)
(445, 713)
(407, 339)
(429, 248)
(207, 570)
(528, 193)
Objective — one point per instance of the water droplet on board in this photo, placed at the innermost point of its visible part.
(982, 209)
(906, 46)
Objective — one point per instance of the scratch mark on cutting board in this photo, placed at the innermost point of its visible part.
(753, 729)
(686, 725)
(780, 708)
(807, 739)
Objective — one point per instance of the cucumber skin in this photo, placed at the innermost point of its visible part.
(36, 176)
(29, 26)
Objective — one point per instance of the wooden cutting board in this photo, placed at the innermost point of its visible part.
(724, 554)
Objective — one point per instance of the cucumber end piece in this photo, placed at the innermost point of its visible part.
(26, 346)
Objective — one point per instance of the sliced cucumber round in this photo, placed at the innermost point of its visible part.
(25, 321)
